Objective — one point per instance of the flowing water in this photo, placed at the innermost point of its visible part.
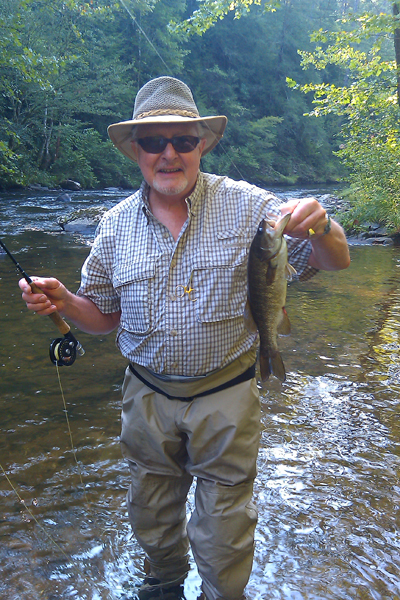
(327, 490)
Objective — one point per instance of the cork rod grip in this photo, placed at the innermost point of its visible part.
(58, 321)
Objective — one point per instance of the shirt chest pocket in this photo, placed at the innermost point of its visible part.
(134, 282)
(220, 281)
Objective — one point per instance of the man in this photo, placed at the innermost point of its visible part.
(168, 267)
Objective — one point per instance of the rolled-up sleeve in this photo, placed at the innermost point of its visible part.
(96, 275)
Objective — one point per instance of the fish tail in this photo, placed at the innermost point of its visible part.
(272, 363)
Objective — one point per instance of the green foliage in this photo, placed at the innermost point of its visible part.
(374, 193)
(368, 102)
(210, 11)
(10, 173)
(85, 156)
(68, 68)
(248, 153)
(238, 68)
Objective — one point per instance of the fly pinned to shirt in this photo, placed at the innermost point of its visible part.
(181, 290)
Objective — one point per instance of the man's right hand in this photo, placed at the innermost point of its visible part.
(53, 297)
(80, 310)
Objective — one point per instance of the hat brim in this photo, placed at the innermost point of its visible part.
(121, 133)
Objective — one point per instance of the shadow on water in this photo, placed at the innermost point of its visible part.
(328, 482)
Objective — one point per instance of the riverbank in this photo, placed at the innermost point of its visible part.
(79, 211)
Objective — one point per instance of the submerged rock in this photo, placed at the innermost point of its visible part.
(64, 197)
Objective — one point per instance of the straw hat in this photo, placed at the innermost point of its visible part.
(165, 100)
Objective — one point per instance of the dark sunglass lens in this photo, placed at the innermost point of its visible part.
(185, 143)
(157, 144)
(153, 144)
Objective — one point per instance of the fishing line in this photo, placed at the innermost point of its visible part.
(146, 36)
(63, 351)
(70, 434)
(28, 510)
(69, 559)
(22, 501)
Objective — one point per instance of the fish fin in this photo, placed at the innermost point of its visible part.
(272, 364)
(290, 272)
(249, 321)
(284, 326)
(265, 369)
(271, 274)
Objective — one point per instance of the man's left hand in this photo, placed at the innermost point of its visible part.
(308, 219)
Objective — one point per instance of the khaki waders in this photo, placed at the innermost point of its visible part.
(167, 443)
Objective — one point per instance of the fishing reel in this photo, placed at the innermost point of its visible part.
(63, 351)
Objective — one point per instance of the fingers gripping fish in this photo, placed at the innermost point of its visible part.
(268, 274)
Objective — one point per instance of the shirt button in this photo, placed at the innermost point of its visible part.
(173, 332)
(174, 365)
(166, 234)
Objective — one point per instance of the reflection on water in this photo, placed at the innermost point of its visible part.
(328, 483)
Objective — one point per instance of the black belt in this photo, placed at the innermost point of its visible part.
(249, 374)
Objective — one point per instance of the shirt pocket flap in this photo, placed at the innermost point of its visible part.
(220, 258)
(235, 234)
(135, 271)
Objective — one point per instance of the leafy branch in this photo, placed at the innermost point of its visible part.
(210, 11)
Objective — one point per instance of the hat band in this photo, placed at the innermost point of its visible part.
(160, 112)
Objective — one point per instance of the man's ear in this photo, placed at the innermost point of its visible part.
(202, 144)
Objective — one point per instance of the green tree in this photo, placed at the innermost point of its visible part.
(368, 101)
(239, 68)
(211, 11)
(68, 69)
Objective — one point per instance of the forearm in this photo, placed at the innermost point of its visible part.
(85, 315)
(79, 310)
(330, 252)
(309, 220)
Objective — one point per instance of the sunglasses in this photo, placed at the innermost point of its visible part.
(157, 143)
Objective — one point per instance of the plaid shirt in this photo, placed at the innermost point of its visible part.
(136, 266)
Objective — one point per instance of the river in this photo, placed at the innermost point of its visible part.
(327, 490)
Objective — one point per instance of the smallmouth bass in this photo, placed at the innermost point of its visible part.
(268, 272)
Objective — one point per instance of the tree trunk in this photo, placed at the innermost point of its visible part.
(44, 156)
(396, 13)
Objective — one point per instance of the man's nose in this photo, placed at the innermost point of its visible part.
(170, 150)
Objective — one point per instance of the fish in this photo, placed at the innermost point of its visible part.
(268, 272)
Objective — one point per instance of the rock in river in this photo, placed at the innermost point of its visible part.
(84, 220)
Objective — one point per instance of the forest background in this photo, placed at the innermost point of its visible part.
(311, 89)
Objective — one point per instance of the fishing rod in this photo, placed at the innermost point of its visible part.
(63, 351)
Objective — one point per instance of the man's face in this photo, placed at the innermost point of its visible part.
(169, 173)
